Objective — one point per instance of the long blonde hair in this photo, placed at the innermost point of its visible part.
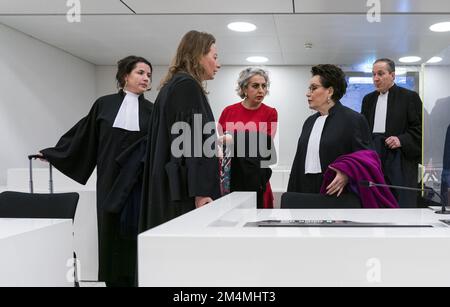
(192, 47)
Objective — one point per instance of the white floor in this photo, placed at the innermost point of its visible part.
(92, 284)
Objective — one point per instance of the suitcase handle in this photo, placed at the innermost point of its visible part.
(50, 182)
(34, 157)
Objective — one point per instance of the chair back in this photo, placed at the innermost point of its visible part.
(50, 206)
(291, 200)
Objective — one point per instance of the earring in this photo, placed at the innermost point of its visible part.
(125, 86)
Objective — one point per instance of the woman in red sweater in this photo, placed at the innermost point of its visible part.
(247, 117)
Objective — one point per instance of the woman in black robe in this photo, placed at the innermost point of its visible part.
(182, 168)
(333, 131)
(112, 137)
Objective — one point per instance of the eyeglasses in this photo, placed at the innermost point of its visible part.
(256, 86)
(312, 88)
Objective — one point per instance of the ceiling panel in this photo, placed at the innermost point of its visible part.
(360, 6)
(350, 40)
(60, 7)
(340, 39)
(210, 6)
(103, 39)
(445, 55)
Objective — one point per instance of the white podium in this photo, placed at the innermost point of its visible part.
(279, 183)
(211, 246)
(36, 253)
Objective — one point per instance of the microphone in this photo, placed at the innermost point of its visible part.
(370, 184)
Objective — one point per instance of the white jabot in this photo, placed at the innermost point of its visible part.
(312, 161)
(379, 124)
(128, 116)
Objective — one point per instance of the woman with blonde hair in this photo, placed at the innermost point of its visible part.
(182, 169)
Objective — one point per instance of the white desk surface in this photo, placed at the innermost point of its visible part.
(229, 220)
(211, 247)
(35, 252)
(14, 227)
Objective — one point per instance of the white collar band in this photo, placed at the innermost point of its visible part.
(128, 116)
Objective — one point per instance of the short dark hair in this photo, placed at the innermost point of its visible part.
(389, 62)
(331, 76)
(126, 66)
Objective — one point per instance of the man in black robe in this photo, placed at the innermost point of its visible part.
(395, 119)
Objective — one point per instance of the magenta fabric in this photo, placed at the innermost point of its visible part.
(362, 165)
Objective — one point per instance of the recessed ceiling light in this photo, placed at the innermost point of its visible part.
(257, 59)
(410, 59)
(241, 26)
(435, 59)
(441, 27)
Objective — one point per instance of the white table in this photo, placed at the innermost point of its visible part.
(36, 252)
(211, 247)
(85, 223)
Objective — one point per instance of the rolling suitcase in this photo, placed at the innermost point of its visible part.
(50, 168)
(31, 205)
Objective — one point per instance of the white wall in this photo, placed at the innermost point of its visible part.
(287, 95)
(44, 92)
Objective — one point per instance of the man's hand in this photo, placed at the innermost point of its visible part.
(393, 142)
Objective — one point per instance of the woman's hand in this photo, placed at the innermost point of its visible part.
(226, 139)
(338, 184)
(200, 201)
(41, 157)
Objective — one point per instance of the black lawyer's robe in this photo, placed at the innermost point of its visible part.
(404, 120)
(171, 182)
(253, 152)
(345, 131)
(93, 142)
